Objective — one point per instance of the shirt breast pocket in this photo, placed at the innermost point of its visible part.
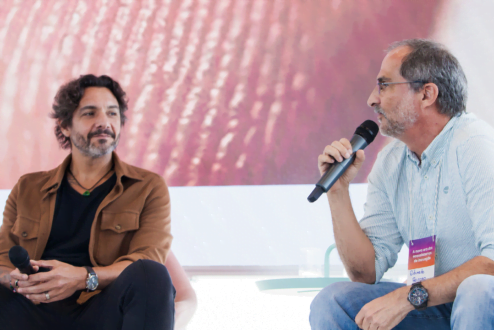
(117, 231)
(25, 231)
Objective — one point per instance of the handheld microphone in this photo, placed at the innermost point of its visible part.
(20, 259)
(364, 135)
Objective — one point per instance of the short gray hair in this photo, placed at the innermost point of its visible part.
(430, 61)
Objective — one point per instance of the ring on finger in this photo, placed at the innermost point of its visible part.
(47, 295)
(16, 283)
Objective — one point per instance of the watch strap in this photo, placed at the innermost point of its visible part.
(90, 270)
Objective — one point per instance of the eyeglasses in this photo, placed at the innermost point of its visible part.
(382, 84)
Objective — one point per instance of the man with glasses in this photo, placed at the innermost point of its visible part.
(432, 188)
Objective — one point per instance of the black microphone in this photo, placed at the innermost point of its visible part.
(364, 135)
(20, 259)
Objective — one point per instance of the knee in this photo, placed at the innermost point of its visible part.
(329, 295)
(330, 298)
(476, 287)
(149, 275)
(152, 269)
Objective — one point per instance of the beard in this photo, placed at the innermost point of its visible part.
(405, 116)
(84, 145)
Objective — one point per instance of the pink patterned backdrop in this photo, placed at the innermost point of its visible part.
(222, 92)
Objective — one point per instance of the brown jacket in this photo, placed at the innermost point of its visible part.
(132, 222)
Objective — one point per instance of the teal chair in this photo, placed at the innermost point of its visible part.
(301, 285)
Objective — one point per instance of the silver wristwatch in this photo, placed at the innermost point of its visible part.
(91, 280)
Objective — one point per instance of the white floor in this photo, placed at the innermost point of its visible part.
(235, 303)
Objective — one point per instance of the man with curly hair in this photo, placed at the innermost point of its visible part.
(97, 229)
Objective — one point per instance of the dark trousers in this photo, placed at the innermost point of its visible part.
(142, 297)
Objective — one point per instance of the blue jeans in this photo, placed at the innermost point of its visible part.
(336, 306)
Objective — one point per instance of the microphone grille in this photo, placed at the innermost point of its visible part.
(368, 130)
(18, 255)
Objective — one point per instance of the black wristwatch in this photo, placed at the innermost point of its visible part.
(418, 296)
(91, 280)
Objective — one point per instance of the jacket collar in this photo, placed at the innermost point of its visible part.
(125, 170)
(121, 169)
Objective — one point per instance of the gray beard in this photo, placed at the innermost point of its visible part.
(86, 148)
(396, 127)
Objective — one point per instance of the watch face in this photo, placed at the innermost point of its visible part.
(418, 296)
(92, 283)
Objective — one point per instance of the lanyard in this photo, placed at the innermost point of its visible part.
(435, 205)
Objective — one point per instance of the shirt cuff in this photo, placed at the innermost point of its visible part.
(488, 253)
(379, 271)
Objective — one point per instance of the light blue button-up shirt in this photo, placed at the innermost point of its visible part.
(452, 196)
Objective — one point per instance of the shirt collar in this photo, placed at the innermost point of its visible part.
(433, 153)
(121, 169)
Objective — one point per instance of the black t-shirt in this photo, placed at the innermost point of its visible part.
(72, 221)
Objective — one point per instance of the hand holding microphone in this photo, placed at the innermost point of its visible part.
(44, 281)
(343, 158)
(20, 259)
(336, 153)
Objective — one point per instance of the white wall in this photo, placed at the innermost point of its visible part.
(466, 28)
(251, 225)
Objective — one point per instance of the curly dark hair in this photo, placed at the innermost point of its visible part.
(70, 94)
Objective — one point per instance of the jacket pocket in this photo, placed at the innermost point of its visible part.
(120, 222)
(117, 231)
(25, 231)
